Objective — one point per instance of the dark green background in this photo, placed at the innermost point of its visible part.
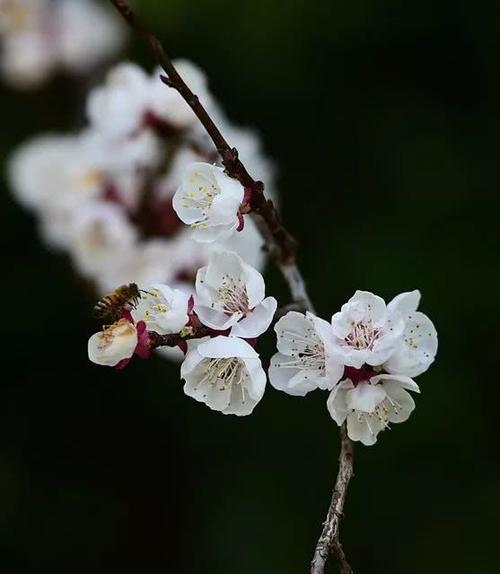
(384, 119)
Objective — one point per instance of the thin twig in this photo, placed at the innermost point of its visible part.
(283, 242)
(329, 541)
(283, 247)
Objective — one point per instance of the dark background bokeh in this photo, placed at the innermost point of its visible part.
(384, 120)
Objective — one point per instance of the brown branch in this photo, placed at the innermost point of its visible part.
(329, 541)
(283, 248)
(284, 244)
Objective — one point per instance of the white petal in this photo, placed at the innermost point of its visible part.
(217, 398)
(402, 403)
(292, 325)
(405, 302)
(363, 429)
(116, 343)
(193, 358)
(216, 319)
(291, 380)
(240, 403)
(374, 306)
(214, 232)
(401, 380)
(258, 378)
(255, 286)
(231, 188)
(365, 397)
(336, 403)
(226, 347)
(257, 321)
(223, 211)
(418, 348)
(162, 308)
(220, 265)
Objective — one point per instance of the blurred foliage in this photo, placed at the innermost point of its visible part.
(383, 118)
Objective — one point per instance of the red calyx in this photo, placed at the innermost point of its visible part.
(365, 373)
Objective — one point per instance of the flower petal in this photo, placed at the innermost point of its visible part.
(257, 321)
(216, 319)
(405, 303)
(336, 403)
(401, 380)
(418, 348)
(226, 347)
(363, 428)
(291, 380)
(365, 397)
(402, 403)
(258, 378)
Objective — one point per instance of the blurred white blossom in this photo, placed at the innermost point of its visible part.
(37, 37)
(101, 236)
(104, 195)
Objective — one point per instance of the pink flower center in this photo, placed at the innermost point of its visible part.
(363, 335)
(365, 373)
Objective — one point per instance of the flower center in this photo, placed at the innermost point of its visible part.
(156, 306)
(15, 16)
(363, 335)
(89, 179)
(308, 351)
(119, 329)
(380, 415)
(223, 373)
(200, 196)
(233, 296)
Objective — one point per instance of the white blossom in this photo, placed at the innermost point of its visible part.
(25, 59)
(40, 36)
(225, 373)
(209, 200)
(146, 262)
(101, 236)
(163, 309)
(369, 406)
(114, 344)
(168, 105)
(305, 360)
(248, 244)
(231, 295)
(118, 107)
(373, 394)
(366, 330)
(51, 168)
(104, 195)
(88, 33)
(417, 348)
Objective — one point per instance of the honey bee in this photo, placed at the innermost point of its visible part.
(112, 303)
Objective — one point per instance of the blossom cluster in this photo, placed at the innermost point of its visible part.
(104, 195)
(366, 356)
(217, 328)
(38, 37)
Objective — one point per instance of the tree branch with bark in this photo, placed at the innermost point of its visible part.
(283, 248)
